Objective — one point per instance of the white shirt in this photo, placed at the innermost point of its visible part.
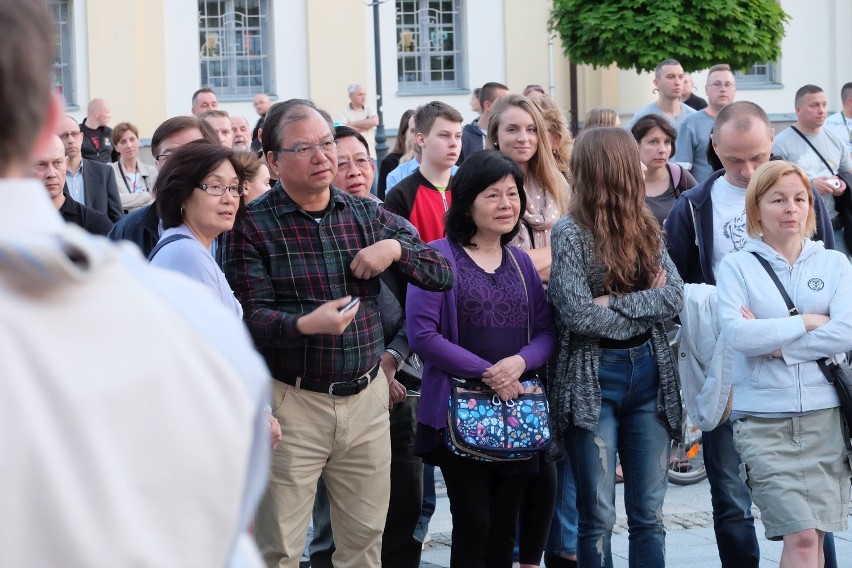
(132, 433)
(729, 219)
(841, 125)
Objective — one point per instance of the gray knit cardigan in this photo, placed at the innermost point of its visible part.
(575, 279)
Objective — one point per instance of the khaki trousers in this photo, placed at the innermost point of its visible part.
(347, 441)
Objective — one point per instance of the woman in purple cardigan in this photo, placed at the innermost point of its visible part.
(492, 326)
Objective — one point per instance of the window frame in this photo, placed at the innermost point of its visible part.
(64, 66)
(232, 55)
(751, 79)
(427, 26)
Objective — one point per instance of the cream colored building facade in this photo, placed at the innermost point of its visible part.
(145, 56)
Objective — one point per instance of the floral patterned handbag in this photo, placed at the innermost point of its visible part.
(482, 427)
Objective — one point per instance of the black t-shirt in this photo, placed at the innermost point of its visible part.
(97, 143)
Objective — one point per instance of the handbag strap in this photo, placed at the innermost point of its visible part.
(791, 308)
(805, 138)
(823, 366)
(526, 292)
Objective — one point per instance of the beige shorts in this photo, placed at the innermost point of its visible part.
(797, 470)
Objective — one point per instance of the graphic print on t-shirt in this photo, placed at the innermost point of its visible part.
(734, 230)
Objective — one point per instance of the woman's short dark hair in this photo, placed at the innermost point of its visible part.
(476, 173)
(651, 121)
(183, 171)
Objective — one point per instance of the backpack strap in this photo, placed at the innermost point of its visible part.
(677, 172)
(163, 242)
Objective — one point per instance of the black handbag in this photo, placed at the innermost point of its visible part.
(837, 374)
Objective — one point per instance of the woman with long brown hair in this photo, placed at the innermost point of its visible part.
(613, 287)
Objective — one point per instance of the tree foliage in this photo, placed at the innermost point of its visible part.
(638, 34)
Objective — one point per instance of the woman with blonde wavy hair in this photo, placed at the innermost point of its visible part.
(561, 141)
(613, 287)
(518, 130)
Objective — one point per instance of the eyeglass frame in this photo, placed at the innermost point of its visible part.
(345, 164)
(205, 187)
(69, 134)
(308, 148)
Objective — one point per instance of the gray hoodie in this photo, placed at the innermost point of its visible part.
(818, 283)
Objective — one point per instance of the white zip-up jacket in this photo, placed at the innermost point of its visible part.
(818, 283)
(704, 358)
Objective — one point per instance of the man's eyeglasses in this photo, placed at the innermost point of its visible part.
(327, 147)
(719, 84)
(70, 134)
(217, 190)
(362, 164)
(162, 157)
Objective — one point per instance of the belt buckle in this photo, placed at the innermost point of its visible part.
(331, 387)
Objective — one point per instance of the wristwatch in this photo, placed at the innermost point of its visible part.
(397, 356)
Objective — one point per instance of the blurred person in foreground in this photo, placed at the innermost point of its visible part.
(110, 456)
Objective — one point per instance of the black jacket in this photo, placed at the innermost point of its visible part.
(473, 140)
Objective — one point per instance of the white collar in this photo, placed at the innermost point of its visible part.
(27, 210)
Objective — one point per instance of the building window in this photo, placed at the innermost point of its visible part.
(758, 74)
(234, 44)
(63, 69)
(429, 45)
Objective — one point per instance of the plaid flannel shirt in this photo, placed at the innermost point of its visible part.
(283, 264)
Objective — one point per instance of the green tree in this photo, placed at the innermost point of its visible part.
(638, 34)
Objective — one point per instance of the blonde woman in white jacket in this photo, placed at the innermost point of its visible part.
(788, 428)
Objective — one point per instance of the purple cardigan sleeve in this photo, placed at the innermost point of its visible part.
(423, 314)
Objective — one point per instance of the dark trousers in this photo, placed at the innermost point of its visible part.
(484, 505)
(538, 498)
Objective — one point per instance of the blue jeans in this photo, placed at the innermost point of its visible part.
(562, 539)
(628, 424)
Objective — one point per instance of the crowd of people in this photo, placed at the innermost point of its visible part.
(306, 313)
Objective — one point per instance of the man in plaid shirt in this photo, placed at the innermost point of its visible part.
(302, 252)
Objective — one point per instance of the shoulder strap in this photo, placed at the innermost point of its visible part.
(821, 362)
(790, 307)
(163, 242)
(677, 172)
(827, 165)
(526, 292)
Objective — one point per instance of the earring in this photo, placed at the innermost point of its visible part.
(181, 211)
(496, 145)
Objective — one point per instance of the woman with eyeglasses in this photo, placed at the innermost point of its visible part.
(199, 196)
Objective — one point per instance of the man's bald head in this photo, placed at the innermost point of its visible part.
(742, 139)
(98, 113)
(741, 116)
